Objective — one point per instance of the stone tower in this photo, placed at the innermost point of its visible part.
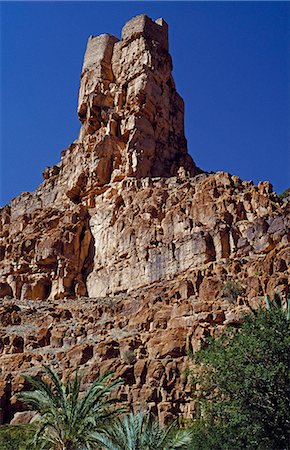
(133, 118)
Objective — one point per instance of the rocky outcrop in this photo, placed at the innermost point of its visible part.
(133, 254)
(132, 128)
(131, 113)
(137, 233)
(153, 229)
(144, 336)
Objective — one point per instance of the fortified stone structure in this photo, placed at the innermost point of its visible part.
(128, 256)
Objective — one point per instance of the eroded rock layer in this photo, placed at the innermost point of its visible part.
(133, 254)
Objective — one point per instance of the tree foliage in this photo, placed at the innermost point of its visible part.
(140, 432)
(68, 420)
(245, 385)
(14, 437)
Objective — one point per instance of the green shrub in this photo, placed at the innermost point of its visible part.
(129, 357)
(284, 194)
(16, 437)
(245, 385)
(232, 290)
(277, 303)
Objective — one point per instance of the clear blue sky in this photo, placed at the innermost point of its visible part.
(231, 65)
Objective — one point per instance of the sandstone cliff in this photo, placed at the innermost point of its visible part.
(128, 256)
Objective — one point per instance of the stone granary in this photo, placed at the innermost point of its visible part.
(120, 258)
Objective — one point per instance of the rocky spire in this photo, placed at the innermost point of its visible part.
(132, 129)
(132, 116)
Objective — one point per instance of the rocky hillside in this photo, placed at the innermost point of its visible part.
(128, 256)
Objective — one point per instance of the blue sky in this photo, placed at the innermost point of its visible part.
(231, 65)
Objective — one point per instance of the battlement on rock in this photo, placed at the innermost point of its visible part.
(99, 52)
(142, 25)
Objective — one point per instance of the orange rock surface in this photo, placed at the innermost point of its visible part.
(127, 256)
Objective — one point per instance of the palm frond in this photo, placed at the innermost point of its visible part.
(177, 439)
(67, 417)
(140, 432)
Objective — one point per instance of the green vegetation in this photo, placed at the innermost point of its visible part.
(245, 386)
(242, 400)
(16, 437)
(284, 194)
(231, 290)
(277, 303)
(68, 420)
(129, 357)
(140, 432)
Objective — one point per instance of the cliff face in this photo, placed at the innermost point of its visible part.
(133, 253)
(132, 128)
